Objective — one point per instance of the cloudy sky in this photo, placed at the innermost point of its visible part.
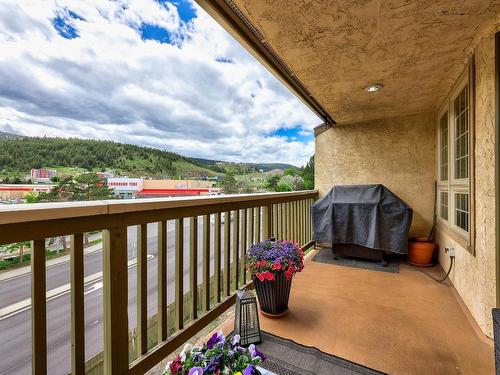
(153, 73)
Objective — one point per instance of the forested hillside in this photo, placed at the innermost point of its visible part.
(240, 168)
(19, 155)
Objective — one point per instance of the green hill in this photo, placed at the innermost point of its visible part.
(74, 156)
(4, 135)
(240, 168)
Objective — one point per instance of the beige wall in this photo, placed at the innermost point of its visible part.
(474, 275)
(397, 152)
(400, 153)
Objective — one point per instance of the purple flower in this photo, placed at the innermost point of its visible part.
(217, 338)
(240, 349)
(197, 356)
(235, 341)
(196, 371)
(250, 370)
(255, 353)
(214, 365)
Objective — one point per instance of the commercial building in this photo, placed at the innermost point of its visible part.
(12, 192)
(42, 174)
(127, 188)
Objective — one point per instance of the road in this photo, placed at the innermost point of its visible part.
(15, 329)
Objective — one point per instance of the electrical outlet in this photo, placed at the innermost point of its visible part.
(450, 251)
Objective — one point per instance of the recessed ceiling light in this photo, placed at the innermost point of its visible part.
(374, 87)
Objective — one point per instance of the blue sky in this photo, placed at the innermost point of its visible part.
(155, 73)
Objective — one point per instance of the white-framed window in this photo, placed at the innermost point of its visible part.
(461, 134)
(443, 205)
(454, 130)
(443, 147)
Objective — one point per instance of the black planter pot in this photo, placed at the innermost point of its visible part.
(273, 295)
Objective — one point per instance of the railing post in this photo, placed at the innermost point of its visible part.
(227, 254)
(267, 222)
(179, 273)
(236, 245)
(77, 306)
(142, 290)
(193, 265)
(217, 256)
(115, 279)
(38, 308)
(206, 262)
(243, 244)
(162, 282)
(257, 224)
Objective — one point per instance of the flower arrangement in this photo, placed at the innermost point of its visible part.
(265, 259)
(218, 356)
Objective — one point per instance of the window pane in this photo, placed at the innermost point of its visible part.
(462, 211)
(461, 116)
(443, 128)
(444, 205)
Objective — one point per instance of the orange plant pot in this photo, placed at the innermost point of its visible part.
(420, 252)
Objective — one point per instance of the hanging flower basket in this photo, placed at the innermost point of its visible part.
(272, 265)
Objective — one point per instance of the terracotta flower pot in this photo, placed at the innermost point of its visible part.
(420, 251)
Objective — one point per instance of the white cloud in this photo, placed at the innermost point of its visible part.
(109, 83)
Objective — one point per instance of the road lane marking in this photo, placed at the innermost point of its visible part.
(98, 285)
(21, 306)
(21, 272)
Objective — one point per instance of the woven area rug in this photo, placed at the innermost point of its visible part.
(326, 256)
(286, 357)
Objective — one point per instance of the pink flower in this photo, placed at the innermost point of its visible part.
(276, 266)
(176, 365)
(289, 272)
(269, 276)
(261, 276)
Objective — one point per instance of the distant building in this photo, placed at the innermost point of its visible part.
(42, 174)
(125, 187)
(105, 175)
(18, 191)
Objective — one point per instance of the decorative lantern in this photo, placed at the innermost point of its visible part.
(246, 318)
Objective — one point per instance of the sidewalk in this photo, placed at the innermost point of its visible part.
(50, 263)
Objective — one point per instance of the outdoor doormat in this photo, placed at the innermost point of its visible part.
(286, 357)
(326, 256)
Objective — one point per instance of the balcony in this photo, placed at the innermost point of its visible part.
(392, 322)
(397, 323)
(190, 244)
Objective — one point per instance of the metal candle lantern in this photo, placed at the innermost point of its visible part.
(246, 319)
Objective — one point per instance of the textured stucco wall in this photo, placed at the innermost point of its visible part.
(474, 275)
(397, 152)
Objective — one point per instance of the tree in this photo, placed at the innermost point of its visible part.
(307, 173)
(290, 183)
(229, 184)
(272, 181)
(31, 197)
(292, 171)
(246, 186)
(85, 187)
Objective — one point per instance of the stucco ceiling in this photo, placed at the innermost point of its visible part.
(416, 49)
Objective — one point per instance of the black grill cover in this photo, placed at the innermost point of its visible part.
(367, 215)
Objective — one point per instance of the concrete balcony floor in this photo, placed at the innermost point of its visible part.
(399, 323)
